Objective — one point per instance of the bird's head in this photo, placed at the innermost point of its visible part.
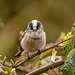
(35, 25)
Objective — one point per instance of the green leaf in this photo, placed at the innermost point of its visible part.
(4, 59)
(16, 63)
(70, 44)
(13, 72)
(69, 65)
(68, 47)
(69, 34)
(6, 69)
(46, 61)
(12, 62)
(6, 73)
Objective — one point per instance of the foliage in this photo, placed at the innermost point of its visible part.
(5, 70)
(45, 58)
(69, 65)
(68, 47)
(68, 55)
(49, 58)
(69, 34)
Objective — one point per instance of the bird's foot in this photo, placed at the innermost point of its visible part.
(28, 56)
(39, 52)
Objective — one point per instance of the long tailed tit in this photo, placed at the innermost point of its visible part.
(34, 38)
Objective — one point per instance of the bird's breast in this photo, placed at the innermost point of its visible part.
(33, 42)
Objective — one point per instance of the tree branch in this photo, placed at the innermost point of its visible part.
(43, 50)
(46, 67)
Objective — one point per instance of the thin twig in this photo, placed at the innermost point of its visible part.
(43, 50)
(46, 67)
(21, 68)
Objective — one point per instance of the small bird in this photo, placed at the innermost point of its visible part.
(34, 38)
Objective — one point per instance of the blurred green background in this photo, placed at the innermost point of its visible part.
(56, 16)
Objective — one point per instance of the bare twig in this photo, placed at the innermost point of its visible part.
(21, 68)
(46, 67)
(43, 50)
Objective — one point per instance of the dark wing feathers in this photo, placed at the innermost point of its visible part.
(21, 49)
(24, 34)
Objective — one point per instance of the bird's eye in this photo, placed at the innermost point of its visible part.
(38, 25)
(30, 25)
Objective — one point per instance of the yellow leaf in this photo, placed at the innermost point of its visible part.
(69, 34)
(53, 55)
(46, 53)
(38, 64)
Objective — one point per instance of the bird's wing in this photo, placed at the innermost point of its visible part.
(21, 49)
(24, 34)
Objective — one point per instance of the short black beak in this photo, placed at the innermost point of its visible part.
(34, 30)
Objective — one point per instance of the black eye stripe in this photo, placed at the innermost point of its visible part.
(30, 25)
(38, 24)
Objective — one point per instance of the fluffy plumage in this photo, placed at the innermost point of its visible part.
(34, 37)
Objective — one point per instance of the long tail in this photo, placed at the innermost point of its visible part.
(18, 53)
